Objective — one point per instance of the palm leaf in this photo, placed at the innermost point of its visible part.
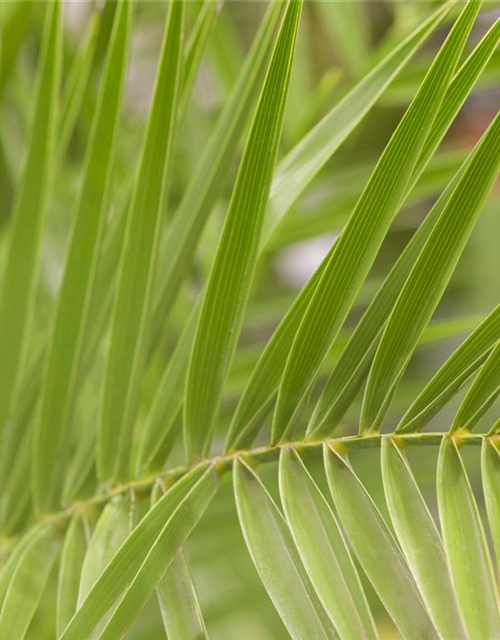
(58, 386)
(22, 258)
(228, 288)
(361, 238)
(430, 275)
(137, 262)
(470, 564)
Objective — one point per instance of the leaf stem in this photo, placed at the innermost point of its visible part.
(258, 456)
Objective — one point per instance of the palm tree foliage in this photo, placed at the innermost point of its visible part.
(143, 397)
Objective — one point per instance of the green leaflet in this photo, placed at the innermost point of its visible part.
(209, 175)
(196, 46)
(376, 549)
(465, 545)
(178, 603)
(111, 531)
(25, 233)
(301, 165)
(490, 470)
(353, 365)
(348, 27)
(352, 255)
(70, 569)
(160, 555)
(459, 367)
(16, 491)
(129, 325)
(275, 557)
(323, 550)
(265, 378)
(28, 582)
(261, 388)
(168, 398)
(127, 561)
(420, 541)
(13, 559)
(483, 391)
(229, 284)
(14, 28)
(76, 83)
(59, 383)
(430, 276)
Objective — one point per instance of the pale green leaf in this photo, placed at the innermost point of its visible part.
(70, 569)
(353, 365)
(483, 391)
(465, 545)
(231, 277)
(77, 82)
(376, 549)
(301, 165)
(168, 398)
(195, 47)
(352, 255)
(420, 540)
(173, 534)
(59, 383)
(323, 550)
(178, 602)
(127, 561)
(132, 305)
(111, 531)
(27, 584)
(255, 401)
(275, 557)
(490, 472)
(21, 268)
(430, 276)
(12, 561)
(211, 171)
(459, 367)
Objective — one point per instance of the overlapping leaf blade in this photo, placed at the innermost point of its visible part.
(70, 570)
(353, 365)
(483, 391)
(231, 277)
(196, 46)
(430, 275)
(126, 562)
(169, 396)
(490, 472)
(301, 165)
(353, 254)
(160, 555)
(376, 549)
(15, 555)
(77, 82)
(420, 541)
(131, 313)
(465, 545)
(28, 582)
(463, 363)
(292, 177)
(22, 257)
(178, 602)
(276, 559)
(209, 174)
(66, 343)
(323, 550)
(111, 531)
